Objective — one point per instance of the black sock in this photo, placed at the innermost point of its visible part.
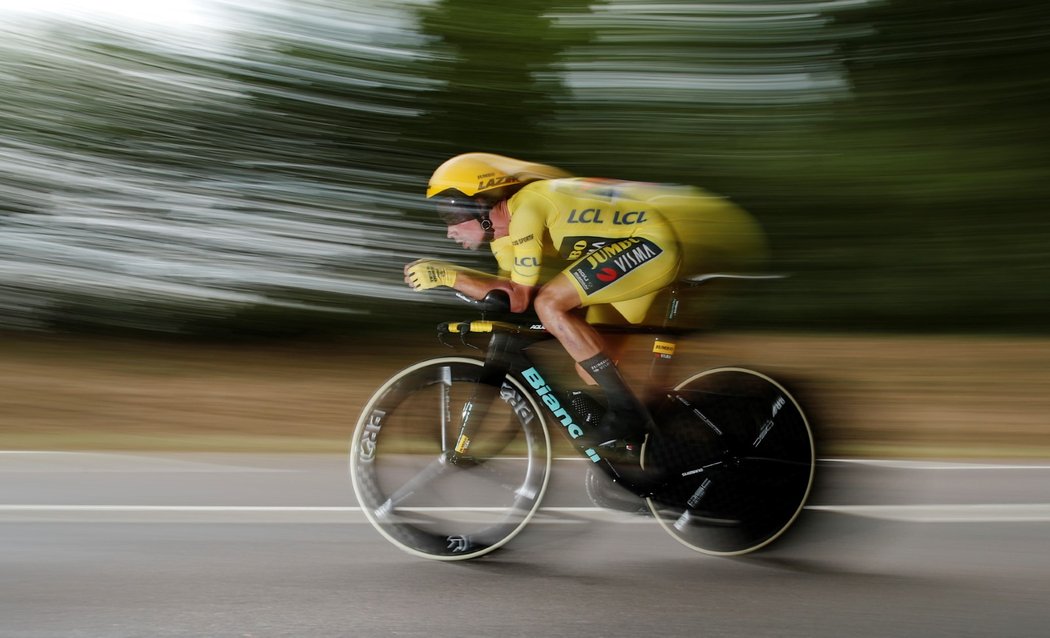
(621, 400)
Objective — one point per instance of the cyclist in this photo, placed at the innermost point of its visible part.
(620, 244)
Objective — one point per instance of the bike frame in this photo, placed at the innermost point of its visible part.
(507, 354)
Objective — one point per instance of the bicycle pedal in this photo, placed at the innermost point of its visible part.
(621, 451)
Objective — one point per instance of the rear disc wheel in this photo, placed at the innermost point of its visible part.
(737, 455)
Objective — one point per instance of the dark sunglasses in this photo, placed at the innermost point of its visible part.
(456, 210)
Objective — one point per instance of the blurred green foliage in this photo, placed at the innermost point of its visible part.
(896, 152)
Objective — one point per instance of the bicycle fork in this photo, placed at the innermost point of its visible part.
(457, 437)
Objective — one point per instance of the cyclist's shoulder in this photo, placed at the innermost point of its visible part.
(543, 188)
(609, 189)
(555, 189)
(537, 198)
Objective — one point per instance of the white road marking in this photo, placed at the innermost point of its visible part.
(44, 461)
(270, 514)
(933, 513)
(938, 465)
(170, 508)
(96, 461)
(971, 513)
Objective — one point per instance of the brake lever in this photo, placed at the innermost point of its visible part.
(463, 339)
(463, 334)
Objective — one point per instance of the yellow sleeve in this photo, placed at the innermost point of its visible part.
(504, 254)
(528, 223)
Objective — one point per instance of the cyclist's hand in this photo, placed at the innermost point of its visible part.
(428, 273)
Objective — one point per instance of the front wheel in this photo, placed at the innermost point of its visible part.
(735, 455)
(434, 492)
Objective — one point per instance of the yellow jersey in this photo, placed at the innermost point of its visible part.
(623, 241)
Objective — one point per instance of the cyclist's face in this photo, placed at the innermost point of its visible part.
(468, 234)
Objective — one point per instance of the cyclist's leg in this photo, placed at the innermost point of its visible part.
(615, 344)
(627, 270)
(555, 306)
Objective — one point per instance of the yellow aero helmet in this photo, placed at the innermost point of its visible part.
(473, 173)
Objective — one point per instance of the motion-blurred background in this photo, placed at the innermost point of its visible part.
(220, 169)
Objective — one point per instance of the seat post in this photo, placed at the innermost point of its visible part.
(664, 344)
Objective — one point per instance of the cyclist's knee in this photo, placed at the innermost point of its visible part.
(546, 308)
(554, 301)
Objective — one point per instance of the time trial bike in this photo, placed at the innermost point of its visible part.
(451, 457)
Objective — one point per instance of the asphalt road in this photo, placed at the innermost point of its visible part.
(245, 545)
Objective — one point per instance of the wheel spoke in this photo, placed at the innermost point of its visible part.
(433, 470)
(445, 405)
(485, 470)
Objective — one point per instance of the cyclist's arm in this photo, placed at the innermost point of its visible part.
(528, 226)
(427, 273)
(477, 284)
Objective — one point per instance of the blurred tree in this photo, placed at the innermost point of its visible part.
(693, 93)
(895, 151)
(499, 89)
(919, 206)
(334, 88)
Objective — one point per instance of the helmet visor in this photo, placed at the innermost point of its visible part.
(456, 210)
